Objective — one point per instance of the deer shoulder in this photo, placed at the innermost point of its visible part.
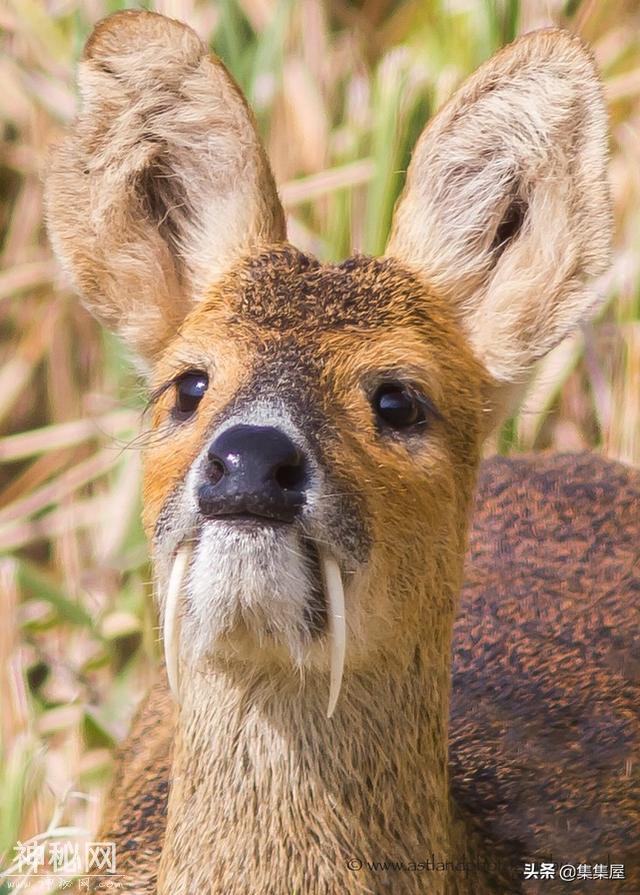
(545, 723)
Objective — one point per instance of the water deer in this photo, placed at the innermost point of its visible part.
(310, 479)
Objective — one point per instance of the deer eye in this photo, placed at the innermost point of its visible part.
(397, 408)
(190, 389)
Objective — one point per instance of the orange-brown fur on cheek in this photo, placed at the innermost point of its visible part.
(427, 475)
(172, 445)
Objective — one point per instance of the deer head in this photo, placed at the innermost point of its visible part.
(317, 428)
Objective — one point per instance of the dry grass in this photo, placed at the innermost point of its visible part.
(341, 91)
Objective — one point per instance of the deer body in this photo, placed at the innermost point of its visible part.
(319, 431)
(527, 607)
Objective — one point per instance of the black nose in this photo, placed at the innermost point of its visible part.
(253, 471)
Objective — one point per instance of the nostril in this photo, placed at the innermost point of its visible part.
(290, 475)
(215, 470)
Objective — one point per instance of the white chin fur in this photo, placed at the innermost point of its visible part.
(267, 588)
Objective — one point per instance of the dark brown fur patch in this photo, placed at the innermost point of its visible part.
(546, 692)
(283, 289)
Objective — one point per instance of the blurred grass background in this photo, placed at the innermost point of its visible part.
(341, 91)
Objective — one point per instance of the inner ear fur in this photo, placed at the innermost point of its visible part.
(506, 207)
(162, 181)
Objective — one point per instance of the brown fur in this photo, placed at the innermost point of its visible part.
(545, 723)
(176, 239)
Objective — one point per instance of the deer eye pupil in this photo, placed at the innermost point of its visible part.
(190, 389)
(396, 407)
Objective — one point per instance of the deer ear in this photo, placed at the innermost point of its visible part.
(506, 207)
(162, 181)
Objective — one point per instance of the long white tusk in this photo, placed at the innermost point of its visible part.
(334, 593)
(171, 627)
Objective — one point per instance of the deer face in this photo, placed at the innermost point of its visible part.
(316, 428)
(329, 429)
